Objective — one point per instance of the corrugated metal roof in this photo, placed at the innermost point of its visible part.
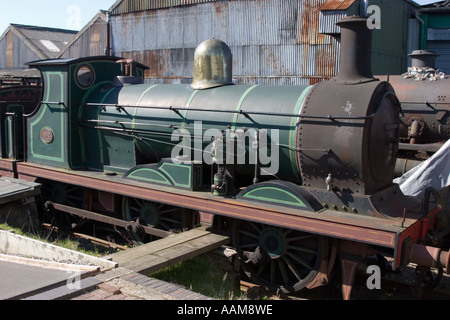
(127, 6)
(440, 4)
(45, 42)
(336, 5)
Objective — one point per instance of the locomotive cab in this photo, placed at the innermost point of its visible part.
(53, 128)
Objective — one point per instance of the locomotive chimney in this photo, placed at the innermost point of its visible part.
(356, 51)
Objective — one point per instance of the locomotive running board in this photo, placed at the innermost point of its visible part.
(387, 233)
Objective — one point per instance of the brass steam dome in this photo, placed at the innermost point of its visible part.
(213, 65)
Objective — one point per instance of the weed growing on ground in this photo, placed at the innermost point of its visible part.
(202, 275)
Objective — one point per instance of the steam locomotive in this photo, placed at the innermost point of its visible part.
(296, 176)
(423, 94)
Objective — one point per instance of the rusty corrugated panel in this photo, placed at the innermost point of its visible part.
(273, 42)
(328, 20)
(310, 23)
(128, 6)
(336, 5)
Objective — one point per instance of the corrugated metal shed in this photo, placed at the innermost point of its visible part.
(273, 42)
(46, 42)
(20, 44)
(435, 31)
(390, 50)
(129, 6)
(92, 40)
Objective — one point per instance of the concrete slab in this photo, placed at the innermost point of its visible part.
(29, 267)
(13, 189)
(13, 244)
(19, 280)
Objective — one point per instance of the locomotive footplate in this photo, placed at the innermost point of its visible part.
(374, 231)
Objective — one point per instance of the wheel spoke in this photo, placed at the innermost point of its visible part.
(166, 211)
(283, 270)
(293, 256)
(292, 267)
(135, 209)
(250, 234)
(300, 260)
(261, 269)
(139, 203)
(273, 271)
(255, 227)
(303, 249)
(299, 238)
(170, 219)
(164, 226)
(70, 189)
(156, 215)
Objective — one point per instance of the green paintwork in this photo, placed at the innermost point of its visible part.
(142, 133)
(438, 21)
(275, 195)
(180, 175)
(149, 175)
(52, 114)
(184, 176)
(59, 113)
(12, 128)
(155, 122)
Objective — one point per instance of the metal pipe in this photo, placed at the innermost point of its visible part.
(430, 257)
(364, 4)
(414, 132)
(245, 113)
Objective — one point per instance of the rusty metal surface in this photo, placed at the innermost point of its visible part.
(357, 158)
(109, 220)
(429, 257)
(355, 155)
(337, 5)
(273, 42)
(126, 6)
(427, 102)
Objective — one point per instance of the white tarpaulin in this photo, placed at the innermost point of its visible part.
(434, 173)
